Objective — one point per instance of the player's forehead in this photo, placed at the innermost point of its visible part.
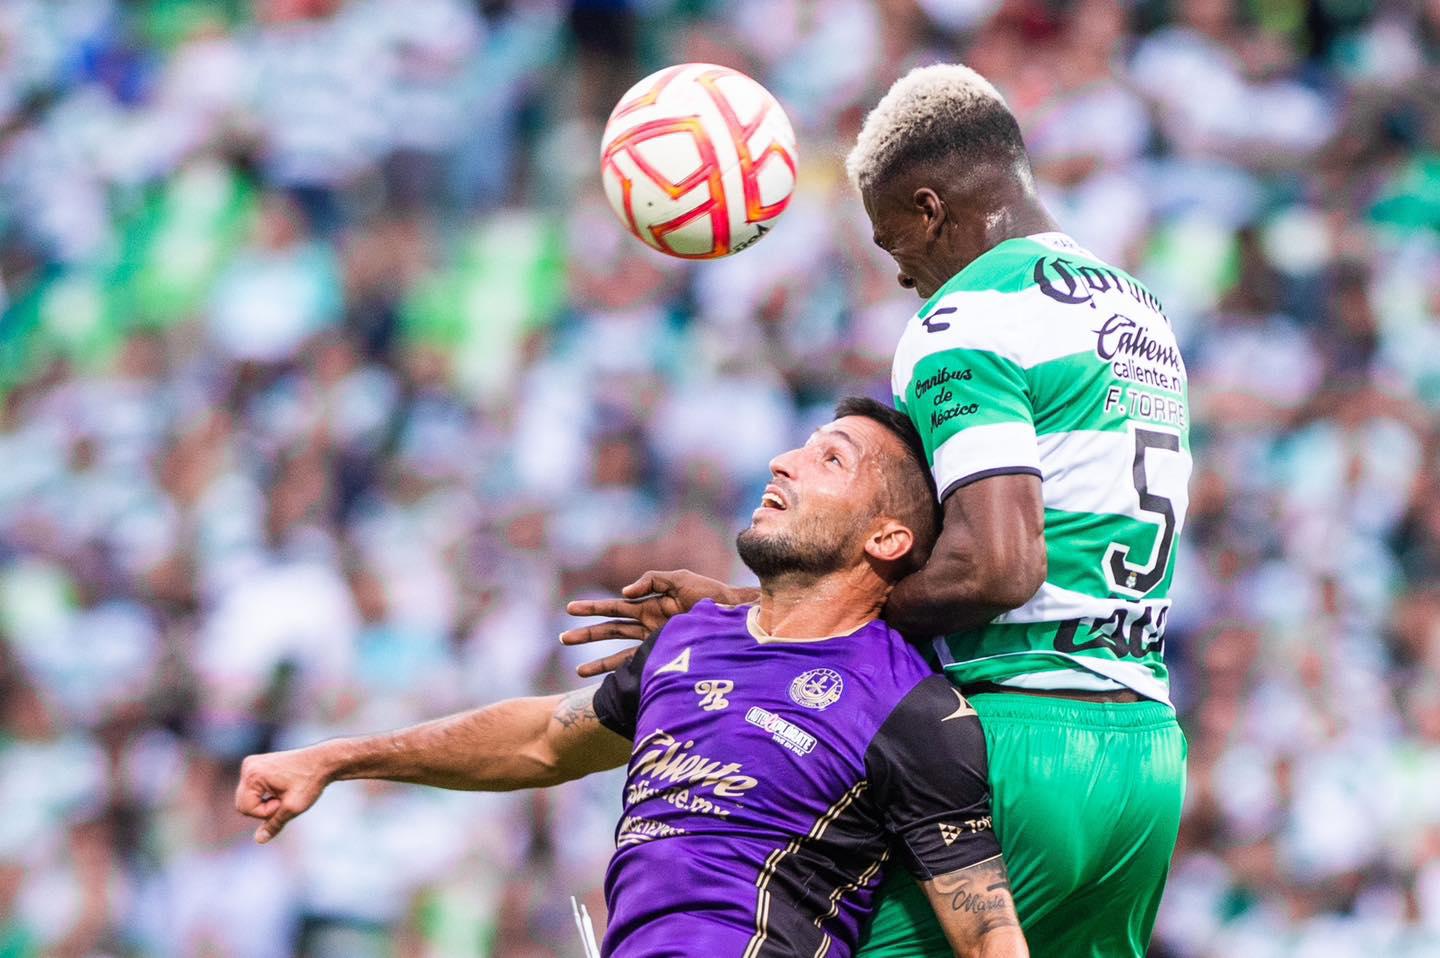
(874, 209)
(860, 433)
(869, 201)
(884, 207)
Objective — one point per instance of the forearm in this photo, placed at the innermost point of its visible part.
(950, 594)
(497, 748)
(990, 558)
(520, 743)
(1002, 943)
(977, 912)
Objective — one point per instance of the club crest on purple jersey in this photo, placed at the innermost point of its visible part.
(817, 689)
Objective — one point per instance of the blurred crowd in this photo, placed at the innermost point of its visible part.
(326, 376)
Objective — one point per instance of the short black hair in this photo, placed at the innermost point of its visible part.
(990, 135)
(910, 494)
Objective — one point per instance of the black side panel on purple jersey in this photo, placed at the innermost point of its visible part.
(929, 781)
(617, 700)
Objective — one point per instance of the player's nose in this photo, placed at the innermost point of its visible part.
(905, 281)
(783, 465)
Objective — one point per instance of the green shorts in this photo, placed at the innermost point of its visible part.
(1087, 800)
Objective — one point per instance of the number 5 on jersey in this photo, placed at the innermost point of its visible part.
(1123, 576)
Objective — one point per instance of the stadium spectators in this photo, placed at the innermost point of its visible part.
(325, 377)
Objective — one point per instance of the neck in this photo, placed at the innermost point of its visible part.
(1005, 208)
(1013, 220)
(796, 606)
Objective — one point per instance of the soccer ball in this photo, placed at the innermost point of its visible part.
(698, 161)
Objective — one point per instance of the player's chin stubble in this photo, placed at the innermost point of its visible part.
(811, 550)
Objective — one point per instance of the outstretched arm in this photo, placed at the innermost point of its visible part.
(518, 743)
(977, 912)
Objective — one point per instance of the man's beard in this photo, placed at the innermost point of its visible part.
(810, 551)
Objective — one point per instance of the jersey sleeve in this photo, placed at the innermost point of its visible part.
(617, 700)
(929, 778)
(959, 382)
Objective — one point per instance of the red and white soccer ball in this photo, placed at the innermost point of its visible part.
(698, 160)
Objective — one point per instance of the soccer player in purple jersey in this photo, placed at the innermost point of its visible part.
(780, 753)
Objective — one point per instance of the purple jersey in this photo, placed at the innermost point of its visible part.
(771, 781)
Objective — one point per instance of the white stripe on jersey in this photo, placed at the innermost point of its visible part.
(1089, 471)
(1024, 327)
(1054, 604)
(981, 448)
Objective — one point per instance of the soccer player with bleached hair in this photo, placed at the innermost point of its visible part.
(1052, 402)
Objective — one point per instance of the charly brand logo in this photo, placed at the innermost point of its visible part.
(712, 693)
(817, 689)
(933, 325)
(949, 833)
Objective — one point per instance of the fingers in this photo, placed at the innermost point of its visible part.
(608, 664)
(617, 629)
(650, 583)
(613, 608)
(256, 800)
(248, 798)
(641, 586)
(258, 806)
(252, 794)
(275, 787)
(275, 822)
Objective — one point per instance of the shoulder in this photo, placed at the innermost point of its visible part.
(717, 629)
(931, 700)
(901, 658)
(709, 615)
(888, 665)
(931, 725)
(1006, 304)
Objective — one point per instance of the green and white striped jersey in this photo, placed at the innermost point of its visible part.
(1039, 358)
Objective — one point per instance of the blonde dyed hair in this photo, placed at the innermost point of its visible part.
(946, 109)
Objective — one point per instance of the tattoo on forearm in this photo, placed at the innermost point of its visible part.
(577, 707)
(975, 902)
(982, 891)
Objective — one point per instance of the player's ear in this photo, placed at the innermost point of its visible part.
(890, 541)
(931, 208)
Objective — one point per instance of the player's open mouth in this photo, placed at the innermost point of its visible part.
(771, 499)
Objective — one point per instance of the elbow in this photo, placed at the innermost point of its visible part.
(530, 765)
(551, 762)
(544, 766)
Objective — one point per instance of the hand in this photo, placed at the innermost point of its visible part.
(278, 786)
(642, 611)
